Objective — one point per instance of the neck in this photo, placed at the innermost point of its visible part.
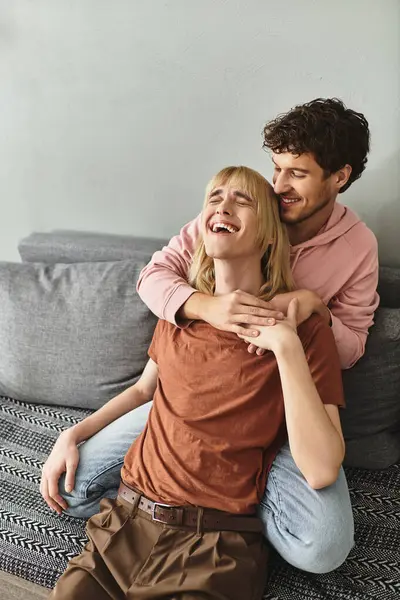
(238, 274)
(307, 229)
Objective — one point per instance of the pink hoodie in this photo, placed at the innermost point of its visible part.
(340, 264)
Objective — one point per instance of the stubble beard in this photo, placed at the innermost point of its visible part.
(302, 218)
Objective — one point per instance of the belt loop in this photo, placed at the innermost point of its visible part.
(135, 504)
(200, 514)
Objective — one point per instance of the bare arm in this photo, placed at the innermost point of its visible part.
(314, 430)
(139, 393)
(64, 456)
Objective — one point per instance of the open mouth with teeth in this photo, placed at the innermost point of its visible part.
(224, 228)
(288, 201)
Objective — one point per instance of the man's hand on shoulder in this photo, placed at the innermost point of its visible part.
(237, 312)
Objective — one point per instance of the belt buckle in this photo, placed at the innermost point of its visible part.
(153, 511)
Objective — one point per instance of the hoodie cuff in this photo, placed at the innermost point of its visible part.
(175, 301)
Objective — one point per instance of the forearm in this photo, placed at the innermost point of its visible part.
(194, 308)
(162, 284)
(120, 405)
(309, 303)
(164, 291)
(315, 443)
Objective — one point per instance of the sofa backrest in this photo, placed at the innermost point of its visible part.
(371, 421)
(82, 246)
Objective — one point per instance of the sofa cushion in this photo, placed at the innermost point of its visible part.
(71, 334)
(83, 246)
(389, 286)
(371, 421)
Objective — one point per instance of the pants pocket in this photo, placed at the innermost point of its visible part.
(249, 553)
(102, 527)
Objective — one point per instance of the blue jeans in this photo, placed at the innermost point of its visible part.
(311, 529)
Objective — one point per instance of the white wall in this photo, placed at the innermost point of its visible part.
(115, 113)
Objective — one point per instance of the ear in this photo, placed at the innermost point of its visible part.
(341, 177)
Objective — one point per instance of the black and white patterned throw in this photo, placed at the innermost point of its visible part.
(36, 544)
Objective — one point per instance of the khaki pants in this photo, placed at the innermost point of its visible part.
(130, 556)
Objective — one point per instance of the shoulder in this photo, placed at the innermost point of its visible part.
(163, 340)
(361, 240)
(321, 350)
(163, 328)
(316, 333)
(323, 359)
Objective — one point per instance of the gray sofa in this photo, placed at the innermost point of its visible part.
(73, 333)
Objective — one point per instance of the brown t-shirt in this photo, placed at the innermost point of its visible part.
(217, 419)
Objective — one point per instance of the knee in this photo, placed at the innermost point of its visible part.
(325, 551)
(317, 544)
(79, 506)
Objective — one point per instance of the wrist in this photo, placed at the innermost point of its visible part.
(195, 307)
(72, 434)
(320, 308)
(325, 313)
(287, 345)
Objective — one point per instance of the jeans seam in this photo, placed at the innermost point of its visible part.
(99, 474)
(278, 513)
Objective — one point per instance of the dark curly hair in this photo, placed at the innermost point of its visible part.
(325, 128)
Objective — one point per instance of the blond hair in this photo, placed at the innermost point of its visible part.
(271, 235)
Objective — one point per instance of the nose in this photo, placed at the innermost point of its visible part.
(281, 184)
(224, 207)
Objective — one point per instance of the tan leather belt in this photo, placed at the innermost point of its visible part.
(190, 516)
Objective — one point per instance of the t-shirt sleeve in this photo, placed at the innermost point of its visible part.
(323, 360)
(154, 345)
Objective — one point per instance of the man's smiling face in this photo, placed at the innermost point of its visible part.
(303, 187)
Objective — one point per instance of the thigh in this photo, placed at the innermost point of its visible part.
(88, 575)
(101, 457)
(249, 554)
(86, 579)
(119, 545)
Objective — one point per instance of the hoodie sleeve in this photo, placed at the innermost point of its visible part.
(163, 282)
(352, 309)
